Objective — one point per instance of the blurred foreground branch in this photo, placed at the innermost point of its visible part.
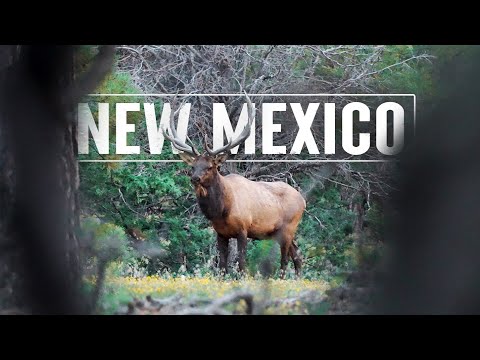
(39, 134)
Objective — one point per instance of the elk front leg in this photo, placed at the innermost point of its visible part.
(242, 250)
(222, 246)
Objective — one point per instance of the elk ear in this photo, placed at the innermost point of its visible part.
(187, 158)
(219, 159)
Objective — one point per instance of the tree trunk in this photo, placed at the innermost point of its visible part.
(10, 251)
(39, 181)
(359, 210)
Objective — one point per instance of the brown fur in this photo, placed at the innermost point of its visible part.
(240, 208)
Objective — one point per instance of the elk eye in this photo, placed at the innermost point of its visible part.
(210, 167)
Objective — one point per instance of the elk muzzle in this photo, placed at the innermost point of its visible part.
(195, 179)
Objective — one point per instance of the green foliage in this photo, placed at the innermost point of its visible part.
(375, 221)
(413, 77)
(112, 298)
(325, 250)
(153, 198)
(259, 252)
(109, 240)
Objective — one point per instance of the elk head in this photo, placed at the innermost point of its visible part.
(205, 166)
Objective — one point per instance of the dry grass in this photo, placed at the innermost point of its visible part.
(285, 295)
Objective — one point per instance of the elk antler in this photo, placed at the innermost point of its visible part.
(177, 143)
(241, 138)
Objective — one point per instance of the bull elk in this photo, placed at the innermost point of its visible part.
(240, 208)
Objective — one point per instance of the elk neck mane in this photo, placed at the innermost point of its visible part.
(214, 200)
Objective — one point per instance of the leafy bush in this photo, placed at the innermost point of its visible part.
(108, 241)
(325, 250)
(259, 252)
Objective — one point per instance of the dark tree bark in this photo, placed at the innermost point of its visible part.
(39, 181)
(9, 252)
(358, 208)
(39, 218)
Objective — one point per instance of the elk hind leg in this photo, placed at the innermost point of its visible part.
(296, 258)
(222, 246)
(242, 251)
(285, 245)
